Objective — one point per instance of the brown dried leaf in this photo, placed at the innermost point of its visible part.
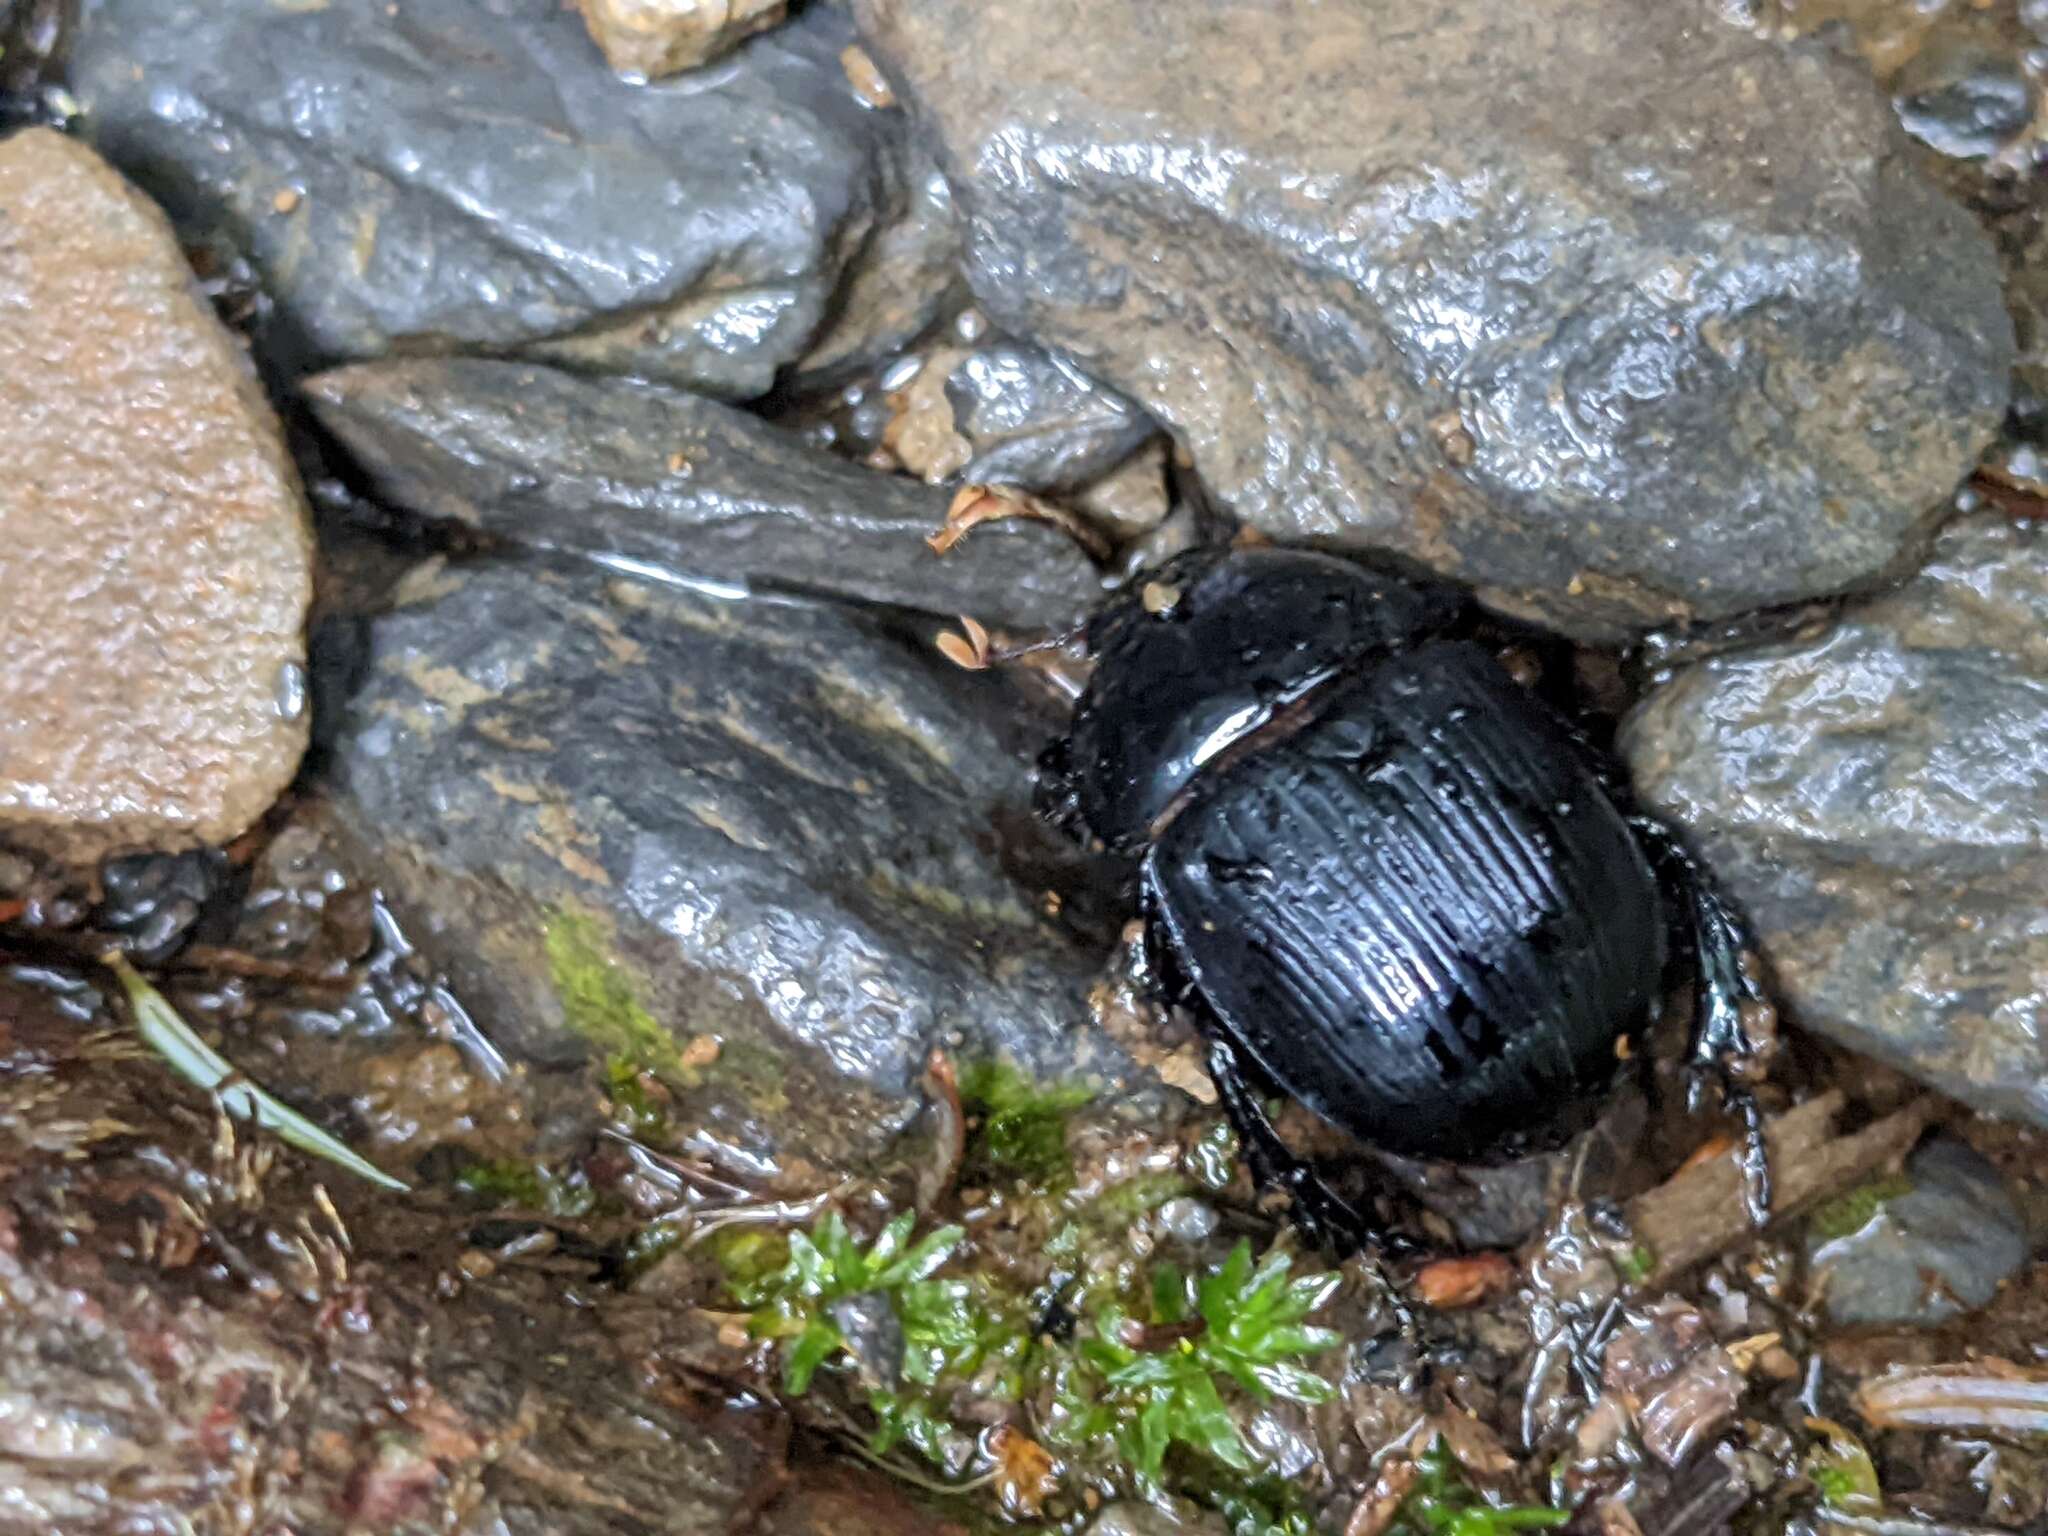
(1475, 1447)
(949, 1121)
(971, 649)
(974, 505)
(1025, 1475)
(1747, 1352)
(1376, 1511)
(1707, 1151)
(1465, 1281)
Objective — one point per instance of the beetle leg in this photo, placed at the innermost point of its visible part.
(1324, 1216)
(1734, 1023)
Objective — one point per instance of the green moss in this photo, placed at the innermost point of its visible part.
(638, 1104)
(1636, 1265)
(1852, 1212)
(597, 997)
(1023, 1124)
(650, 1245)
(1126, 1203)
(760, 1075)
(1442, 1503)
(528, 1187)
(1257, 1506)
(750, 1258)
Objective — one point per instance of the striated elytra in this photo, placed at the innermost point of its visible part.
(1387, 880)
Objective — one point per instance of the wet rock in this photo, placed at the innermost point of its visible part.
(155, 899)
(1131, 1519)
(1933, 1244)
(757, 850)
(1006, 413)
(830, 1497)
(897, 290)
(638, 473)
(652, 38)
(477, 179)
(1614, 312)
(31, 32)
(1133, 499)
(1965, 102)
(1485, 1207)
(1876, 797)
(1037, 421)
(155, 556)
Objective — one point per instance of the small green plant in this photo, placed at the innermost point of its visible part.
(165, 1031)
(1841, 1470)
(1146, 1368)
(1636, 1265)
(792, 1303)
(1158, 1381)
(1442, 1503)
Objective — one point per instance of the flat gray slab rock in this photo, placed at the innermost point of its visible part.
(1037, 421)
(631, 819)
(155, 553)
(633, 472)
(1932, 1242)
(1877, 799)
(1610, 310)
(471, 175)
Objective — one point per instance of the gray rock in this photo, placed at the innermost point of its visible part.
(1610, 310)
(1036, 420)
(1876, 796)
(898, 288)
(1131, 1519)
(639, 473)
(1486, 1207)
(1966, 102)
(472, 176)
(627, 817)
(1937, 1245)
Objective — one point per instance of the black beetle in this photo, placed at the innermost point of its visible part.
(1388, 880)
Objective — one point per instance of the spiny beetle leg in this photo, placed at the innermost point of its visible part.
(1325, 1217)
(1734, 1022)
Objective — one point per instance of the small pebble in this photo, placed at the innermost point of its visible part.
(1965, 103)
(1186, 1220)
